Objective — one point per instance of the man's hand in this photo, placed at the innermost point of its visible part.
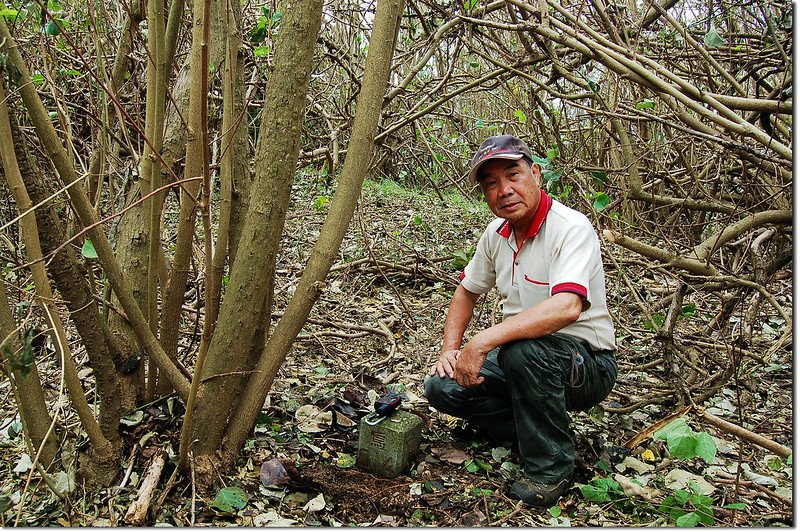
(468, 368)
(446, 364)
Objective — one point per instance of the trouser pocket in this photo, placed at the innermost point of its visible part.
(590, 381)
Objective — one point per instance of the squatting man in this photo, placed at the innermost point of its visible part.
(553, 351)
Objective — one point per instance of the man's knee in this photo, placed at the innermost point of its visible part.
(443, 394)
(434, 391)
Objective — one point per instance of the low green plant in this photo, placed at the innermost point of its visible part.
(603, 489)
(690, 507)
(477, 465)
(684, 443)
(462, 257)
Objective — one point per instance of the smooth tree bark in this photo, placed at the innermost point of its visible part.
(253, 267)
(197, 164)
(33, 413)
(356, 164)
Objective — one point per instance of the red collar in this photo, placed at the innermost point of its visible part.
(545, 202)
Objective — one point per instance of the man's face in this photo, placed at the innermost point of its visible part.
(511, 189)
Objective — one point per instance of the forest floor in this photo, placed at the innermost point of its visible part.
(377, 327)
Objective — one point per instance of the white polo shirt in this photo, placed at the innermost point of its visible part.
(560, 253)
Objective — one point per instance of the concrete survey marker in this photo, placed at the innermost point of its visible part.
(386, 449)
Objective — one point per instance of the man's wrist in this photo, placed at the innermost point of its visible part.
(483, 341)
(446, 348)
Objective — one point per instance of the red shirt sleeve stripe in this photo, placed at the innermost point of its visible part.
(575, 288)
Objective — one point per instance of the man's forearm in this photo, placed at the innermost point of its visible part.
(458, 317)
(542, 319)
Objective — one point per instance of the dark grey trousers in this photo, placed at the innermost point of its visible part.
(529, 386)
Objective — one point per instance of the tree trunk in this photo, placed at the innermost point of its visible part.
(253, 268)
(356, 164)
(103, 451)
(33, 411)
(70, 278)
(88, 216)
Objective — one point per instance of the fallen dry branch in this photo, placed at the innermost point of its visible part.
(137, 512)
(744, 434)
(662, 255)
(758, 487)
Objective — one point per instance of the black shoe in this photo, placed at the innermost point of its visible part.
(537, 494)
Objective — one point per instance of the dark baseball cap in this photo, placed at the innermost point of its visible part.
(499, 147)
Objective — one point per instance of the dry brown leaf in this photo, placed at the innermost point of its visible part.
(451, 455)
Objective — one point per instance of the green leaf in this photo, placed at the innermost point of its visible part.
(51, 28)
(705, 447)
(480, 124)
(646, 104)
(736, 506)
(462, 257)
(471, 466)
(706, 515)
(713, 39)
(600, 490)
(229, 499)
(600, 177)
(521, 117)
(261, 51)
(88, 250)
(499, 453)
(682, 497)
(682, 446)
(9, 15)
(37, 78)
(552, 152)
(601, 201)
(544, 163)
(469, 5)
(555, 511)
(688, 520)
(658, 321)
(688, 310)
(602, 464)
(595, 494)
(259, 32)
(666, 504)
(483, 465)
(552, 176)
(5, 503)
(321, 202)
(344, 460)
